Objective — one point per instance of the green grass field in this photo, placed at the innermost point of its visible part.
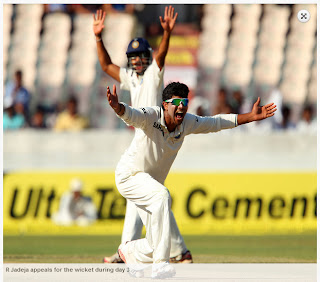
(300, 248)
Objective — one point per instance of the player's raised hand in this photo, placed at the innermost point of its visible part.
(169, 19)
(98, 21)
(113, 99)
(263, 112)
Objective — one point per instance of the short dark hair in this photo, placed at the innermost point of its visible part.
(18, 73)
(308, 108)
(175, 89)
(73, 99)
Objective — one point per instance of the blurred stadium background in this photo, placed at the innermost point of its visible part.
(252, 48)
(249, 50)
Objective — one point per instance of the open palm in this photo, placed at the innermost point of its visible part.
(264, 111)
(112, 97)
(98, 22)
(169, 19)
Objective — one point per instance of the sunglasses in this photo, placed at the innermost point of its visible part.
(177, 101)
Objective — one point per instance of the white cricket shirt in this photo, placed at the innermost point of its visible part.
(146, 90)
(154, 148)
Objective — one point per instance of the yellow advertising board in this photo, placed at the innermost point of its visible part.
(203, 203)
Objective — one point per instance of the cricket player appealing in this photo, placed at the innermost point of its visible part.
(144, 79)
(144, 166)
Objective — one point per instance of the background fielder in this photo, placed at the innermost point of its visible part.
(144, 79)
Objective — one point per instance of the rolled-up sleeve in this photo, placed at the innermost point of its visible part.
(124, 79)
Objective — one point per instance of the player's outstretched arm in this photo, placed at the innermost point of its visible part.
(134, 117)
(257, 113)
(104, 58)
(167, 23)
(113, 101)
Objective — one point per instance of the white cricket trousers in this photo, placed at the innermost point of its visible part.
(153, 203)
(133, 226)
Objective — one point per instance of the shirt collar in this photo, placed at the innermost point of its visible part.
(177, 132)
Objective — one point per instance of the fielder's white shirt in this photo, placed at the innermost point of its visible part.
(146, 90)
(154, 148)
